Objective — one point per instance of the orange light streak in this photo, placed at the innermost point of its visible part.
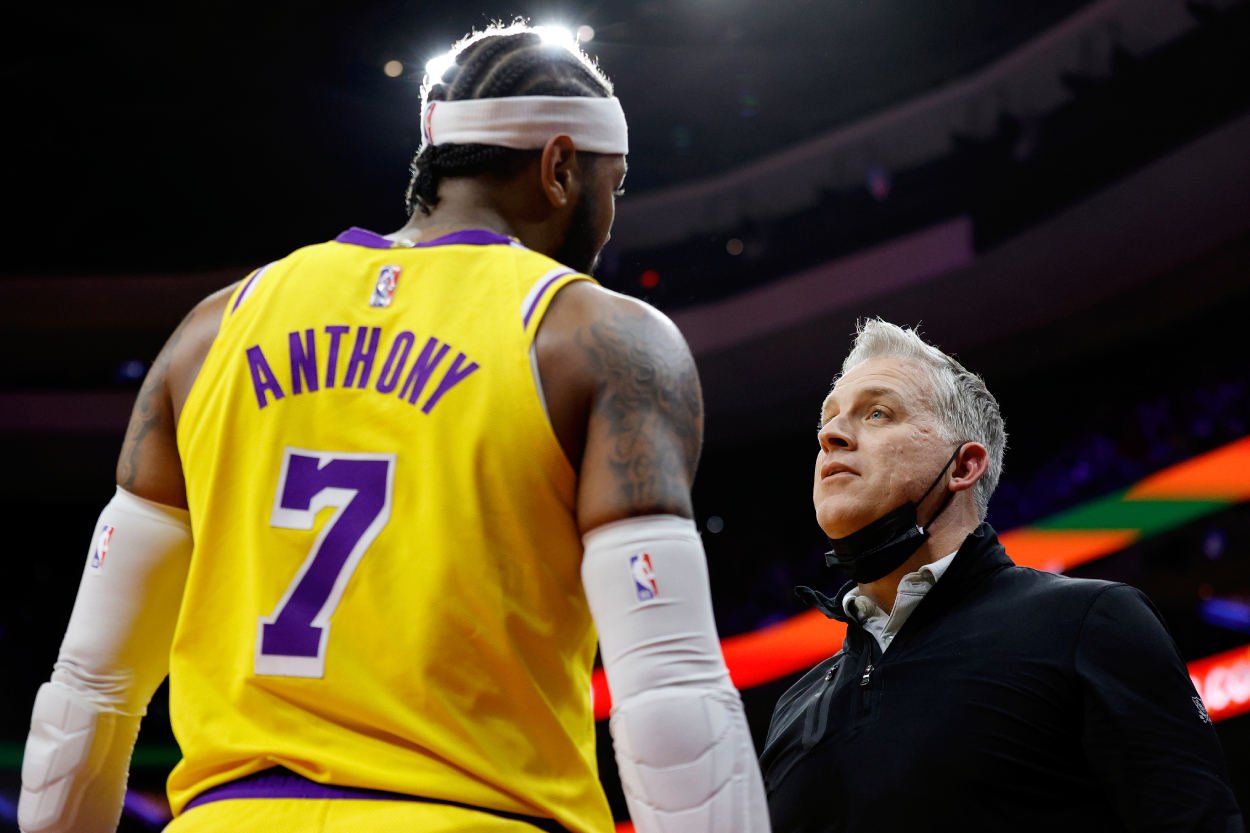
(1056, 550)
(1222, 474)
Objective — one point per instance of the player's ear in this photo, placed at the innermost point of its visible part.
(559, 171)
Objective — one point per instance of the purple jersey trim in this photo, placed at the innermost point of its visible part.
(250, 286)
(534, 304)
(280, 782)
(468, 237)
(243, 291)
(363, 237)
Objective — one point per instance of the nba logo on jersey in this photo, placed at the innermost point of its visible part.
(384, 289)
(101, 549)
(644, 577)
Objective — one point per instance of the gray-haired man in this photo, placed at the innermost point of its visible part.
(971, 694)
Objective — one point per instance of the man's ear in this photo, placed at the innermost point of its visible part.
(559, 172)
(971, 464)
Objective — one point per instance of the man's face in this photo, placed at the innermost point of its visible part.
(591, 223)
(879, 445)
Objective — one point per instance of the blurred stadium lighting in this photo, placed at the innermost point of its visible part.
(435, 67)
(393, 68)
(585, 34)
(1233, 614)
(1214, 543)
(130, 371)
(877, 180)
(150, 810)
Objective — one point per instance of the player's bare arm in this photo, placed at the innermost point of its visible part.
(149, 465)
(625, 401)
(647, 423)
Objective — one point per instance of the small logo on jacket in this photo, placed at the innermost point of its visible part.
(101, 549)
(1202, 710)
(644, 577)
(384, 289)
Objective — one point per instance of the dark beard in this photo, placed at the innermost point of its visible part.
(578, 250)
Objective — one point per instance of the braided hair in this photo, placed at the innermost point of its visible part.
(498, 63)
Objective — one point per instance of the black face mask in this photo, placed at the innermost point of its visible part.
(881, 547)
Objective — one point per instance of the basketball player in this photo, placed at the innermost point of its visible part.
(372, 496)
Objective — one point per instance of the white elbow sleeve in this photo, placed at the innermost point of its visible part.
(114, 656)
(682, 744)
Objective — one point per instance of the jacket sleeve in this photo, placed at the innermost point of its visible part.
(1145, 734)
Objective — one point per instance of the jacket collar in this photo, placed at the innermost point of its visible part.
(979, 554)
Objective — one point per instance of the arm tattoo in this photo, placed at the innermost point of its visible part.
(152, 407)
(650, 403)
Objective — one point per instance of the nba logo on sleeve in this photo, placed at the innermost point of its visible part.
(644, 577)
(100, 550)
(384, 289)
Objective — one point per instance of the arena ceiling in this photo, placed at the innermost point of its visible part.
(163, 137)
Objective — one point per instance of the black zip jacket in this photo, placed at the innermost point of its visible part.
(1010, 700)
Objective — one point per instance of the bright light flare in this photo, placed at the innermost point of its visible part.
(556, 34)
(435, 67)
(393, 69)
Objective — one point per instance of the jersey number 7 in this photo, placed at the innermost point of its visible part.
(291, 642)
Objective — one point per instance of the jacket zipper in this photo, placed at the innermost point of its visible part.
(865, 680)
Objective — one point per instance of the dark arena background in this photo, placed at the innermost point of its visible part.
(1058, 192)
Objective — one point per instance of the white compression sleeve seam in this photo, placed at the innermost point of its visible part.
(682, 744)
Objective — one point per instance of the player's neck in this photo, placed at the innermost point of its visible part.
(421, 228)
(468, 204)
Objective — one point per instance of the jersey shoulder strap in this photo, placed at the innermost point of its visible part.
(253, 282)
(542, 288)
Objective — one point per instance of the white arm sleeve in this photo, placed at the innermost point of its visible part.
(683, 748)
(114, 656)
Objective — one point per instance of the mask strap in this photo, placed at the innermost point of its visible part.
(949, 495)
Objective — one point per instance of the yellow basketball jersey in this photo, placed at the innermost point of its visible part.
(385, 590)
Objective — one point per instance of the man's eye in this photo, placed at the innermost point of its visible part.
(876, 413)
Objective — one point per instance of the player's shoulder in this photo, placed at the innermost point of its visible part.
(200, 326)
(613, 347)
(589, 304)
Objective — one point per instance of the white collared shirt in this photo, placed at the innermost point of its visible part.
(911, 589)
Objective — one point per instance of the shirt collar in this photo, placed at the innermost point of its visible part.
(939, 567)
(932, 573)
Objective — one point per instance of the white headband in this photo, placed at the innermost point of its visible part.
(526, 122)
